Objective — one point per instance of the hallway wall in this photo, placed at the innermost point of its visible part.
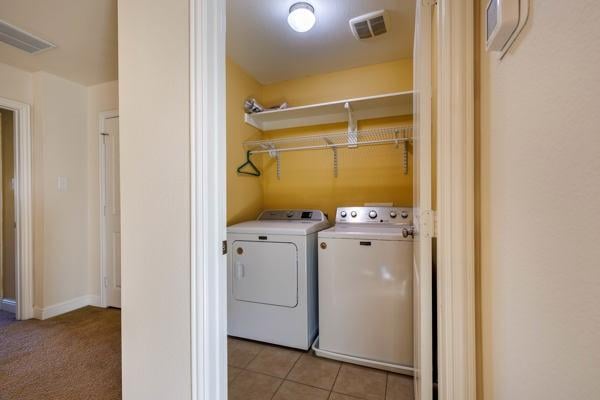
(540, 190)
(154, 89)
(64, 144)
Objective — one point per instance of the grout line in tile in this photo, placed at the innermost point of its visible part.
(348, 395)
(336, 376)
(285, 378)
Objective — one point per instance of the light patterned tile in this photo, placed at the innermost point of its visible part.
(315, 371)
(296, 391)
(232, 373)
(361, 382)
(399, 387)
(275, 361)
(241, 352)
(253, 386)
(338, 396)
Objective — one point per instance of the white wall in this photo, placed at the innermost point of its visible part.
(16, 84)
(155, 198)
(65, 143)
(540, 187)
(103, 97)
(60, 149)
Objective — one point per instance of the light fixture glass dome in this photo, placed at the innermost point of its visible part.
(302, 17)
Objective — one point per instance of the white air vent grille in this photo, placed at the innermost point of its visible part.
(22, 40)
(369, 25)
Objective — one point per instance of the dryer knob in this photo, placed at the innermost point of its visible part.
(354, 214)
(393, 214)
(290, 214)
(372, 214)
(404, 214)
(343, 214)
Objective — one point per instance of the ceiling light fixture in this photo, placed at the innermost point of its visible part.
(302, 17)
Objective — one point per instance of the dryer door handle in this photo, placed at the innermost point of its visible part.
(239, 270)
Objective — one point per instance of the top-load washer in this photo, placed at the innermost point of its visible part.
(365, 288)
(272, 277)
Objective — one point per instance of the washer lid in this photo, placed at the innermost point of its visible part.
(298, 228)
(364, 231)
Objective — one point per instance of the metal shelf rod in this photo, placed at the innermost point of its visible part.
(333, 145)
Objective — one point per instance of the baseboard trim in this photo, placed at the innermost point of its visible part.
(8, 305)
(66, 306)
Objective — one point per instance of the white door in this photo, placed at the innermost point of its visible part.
(111, 213)
(423, 216)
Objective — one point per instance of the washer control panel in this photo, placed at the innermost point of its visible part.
(292, 215)
(374, 215)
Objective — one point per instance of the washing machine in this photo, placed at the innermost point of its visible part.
(365, 288)
(272, 277)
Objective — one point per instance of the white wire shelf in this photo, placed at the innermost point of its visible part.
(384, 105)
(371, 137)
(400, 136)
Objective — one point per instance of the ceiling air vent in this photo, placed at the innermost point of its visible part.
(22, 40)
(369, 25)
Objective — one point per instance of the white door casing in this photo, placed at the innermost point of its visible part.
(208, 199)
(455, 201)
(423, 215)
(23, 206)
(110, 211)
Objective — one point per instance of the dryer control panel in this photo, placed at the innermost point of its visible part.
(292, 215)
(374, 215)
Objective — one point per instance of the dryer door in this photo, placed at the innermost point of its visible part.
(265, 272)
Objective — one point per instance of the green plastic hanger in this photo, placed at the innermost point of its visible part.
(254, 171)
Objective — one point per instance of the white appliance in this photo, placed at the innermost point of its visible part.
(365, 288)
(272, 277)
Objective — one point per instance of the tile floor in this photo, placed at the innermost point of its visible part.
(259, 371)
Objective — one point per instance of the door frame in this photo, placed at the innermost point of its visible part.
(102, 117)
(23, 206)
(456, 301)
(456, 200)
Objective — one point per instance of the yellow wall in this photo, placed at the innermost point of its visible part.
(356, 82)
(245, 196)
(369, 174)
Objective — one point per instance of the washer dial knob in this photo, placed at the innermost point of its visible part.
(343, 214)
(354, 214)
(404, 214)
(372, 214)
(393, 214)
(290, 214)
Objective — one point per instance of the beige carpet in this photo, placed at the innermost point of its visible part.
(75, 356)
(6, 318)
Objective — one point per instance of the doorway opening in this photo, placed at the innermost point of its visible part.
(322, 123)
(16, 267)
(110, 211)
(8, 280)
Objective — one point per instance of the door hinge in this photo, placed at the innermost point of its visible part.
(429, 3)
(105, 281)
(429, 224)
(224, 247)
